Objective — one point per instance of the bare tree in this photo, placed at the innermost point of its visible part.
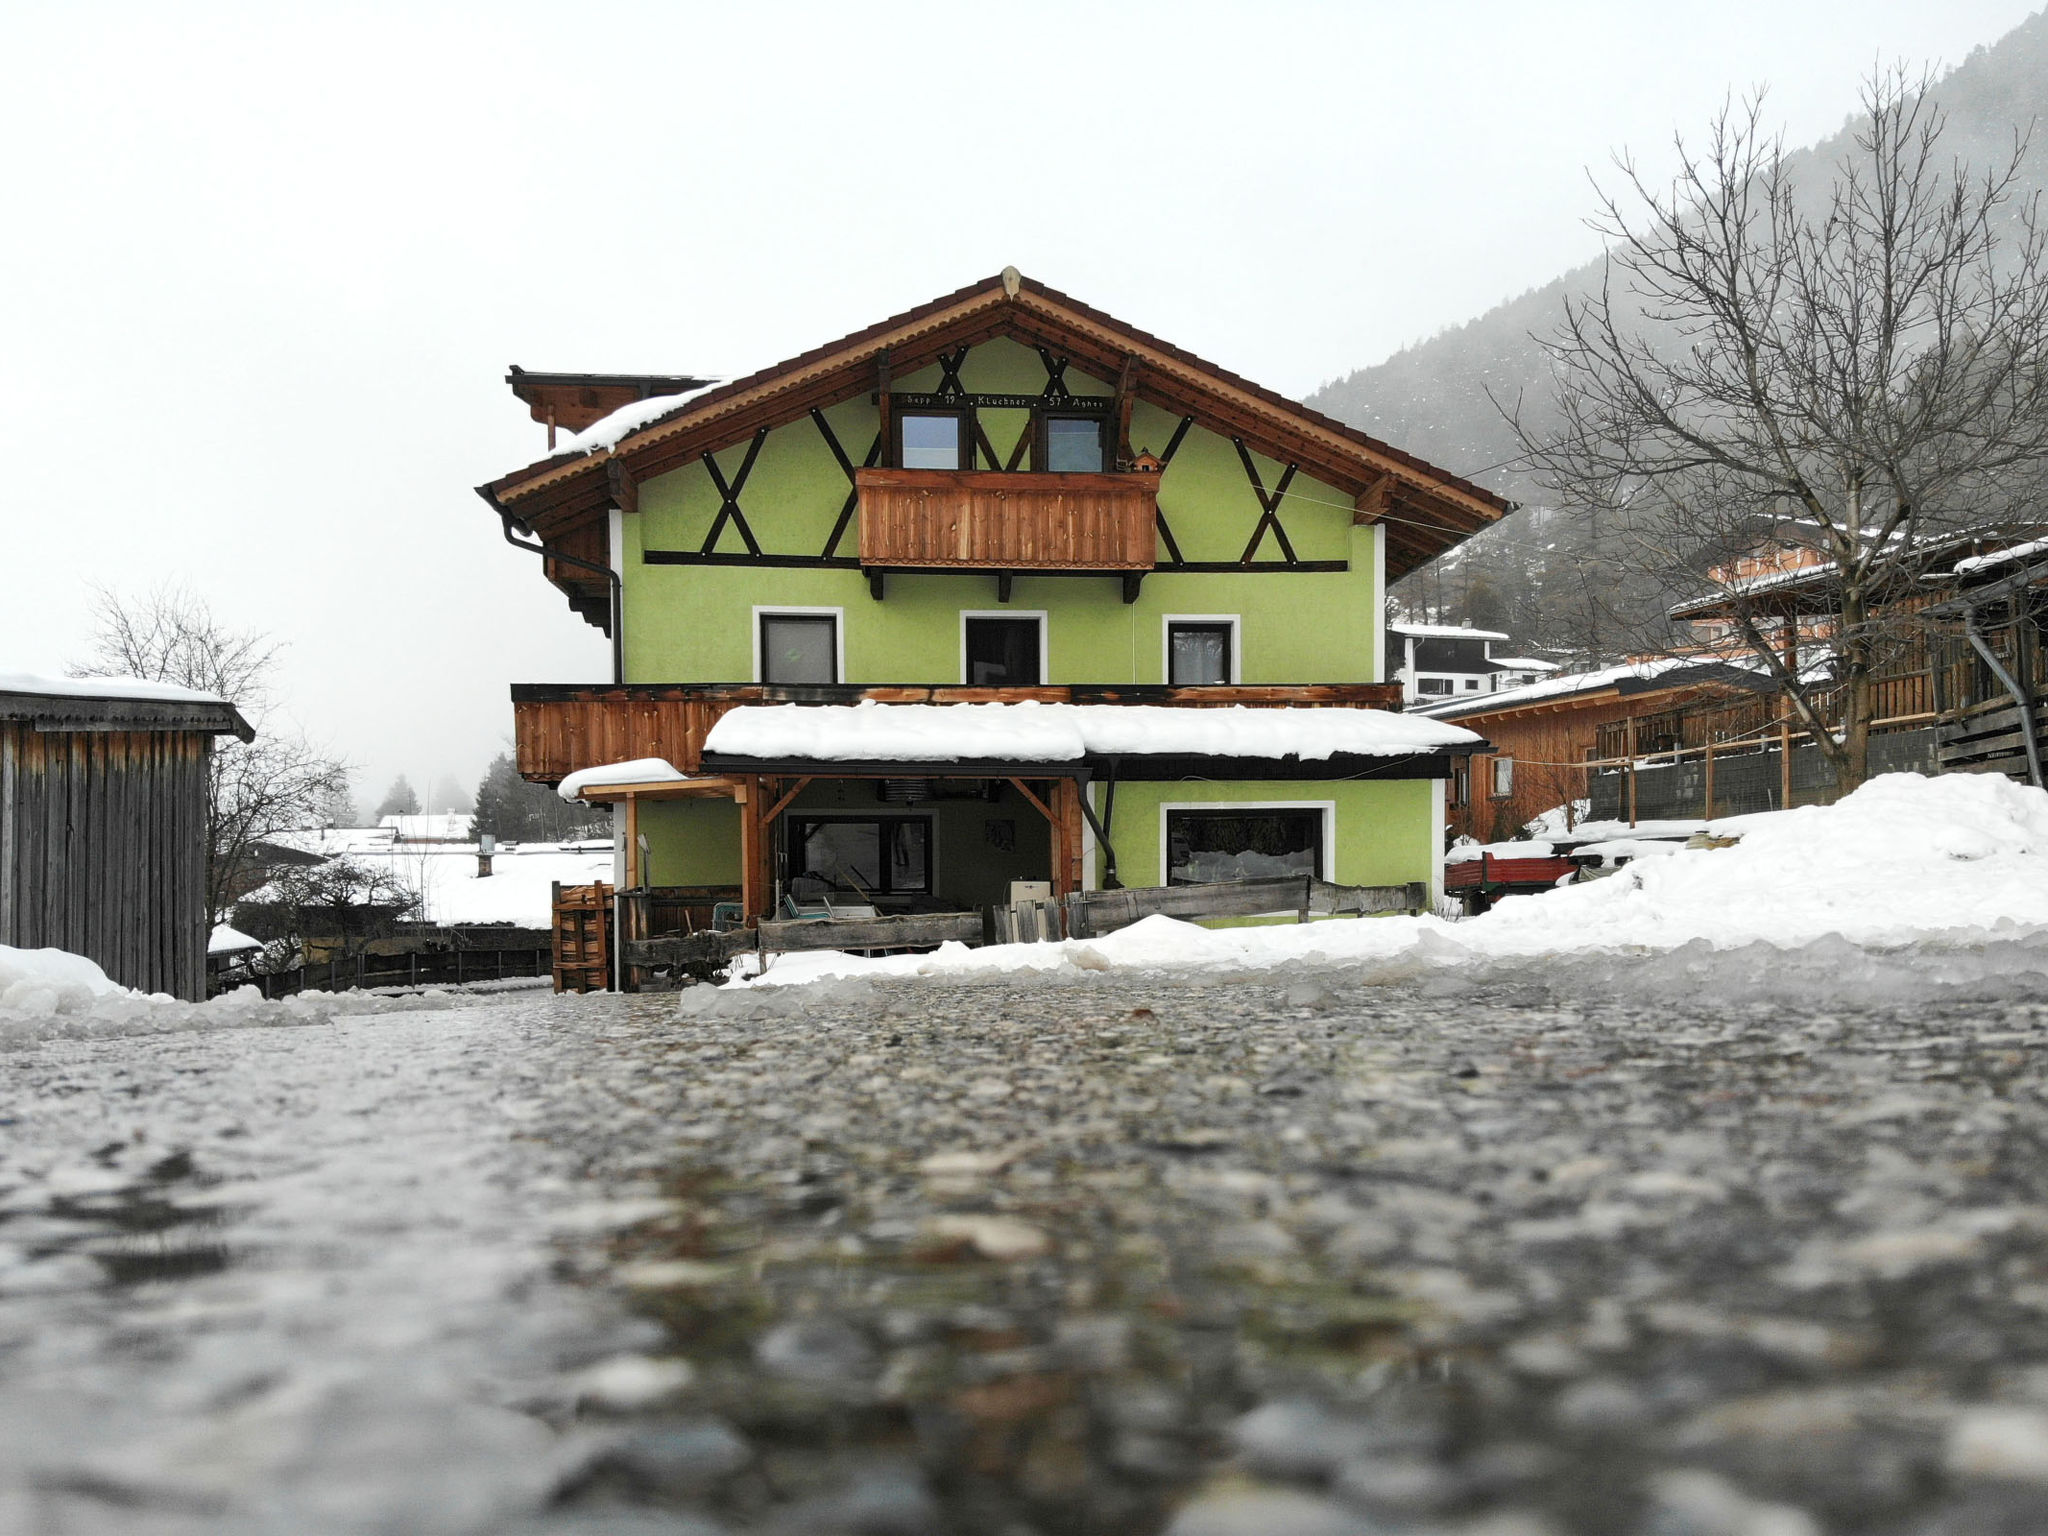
(255, 790)
(1869, 363)
(337, 905)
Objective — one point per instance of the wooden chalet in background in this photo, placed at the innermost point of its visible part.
(103, 824)
(1000, 497)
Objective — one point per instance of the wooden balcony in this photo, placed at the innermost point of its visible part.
(983, 520)
(560, 728)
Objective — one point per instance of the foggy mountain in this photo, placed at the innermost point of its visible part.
(1432, 398)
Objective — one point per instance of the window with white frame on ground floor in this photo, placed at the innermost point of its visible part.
(1503, 776)
(1199, 651)
(1433, 685)
(1204, 847)
(799, 648)
(871, 855)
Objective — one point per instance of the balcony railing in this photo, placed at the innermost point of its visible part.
(917, 519)
(560, 728)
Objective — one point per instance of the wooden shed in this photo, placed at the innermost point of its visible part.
(103, 811)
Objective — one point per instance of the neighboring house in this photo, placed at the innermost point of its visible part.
(440, 827)
(1541, 735)
(953, 602)
(1990, 664)
(103, 823)
(1434, 662)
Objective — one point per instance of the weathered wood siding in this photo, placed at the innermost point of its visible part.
(989, 520)
(103, 850)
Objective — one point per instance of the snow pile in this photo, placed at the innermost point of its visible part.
(640, 770)
(1960, 863)
(608, 431)
(48, 994)
(1059, 733)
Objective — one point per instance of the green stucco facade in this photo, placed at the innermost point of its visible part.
(698, 623)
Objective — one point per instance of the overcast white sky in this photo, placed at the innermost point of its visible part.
(262, 270)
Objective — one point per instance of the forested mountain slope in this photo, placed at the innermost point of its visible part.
(1433, 398)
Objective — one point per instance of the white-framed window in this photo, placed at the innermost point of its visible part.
(1206, 841)
(799, 645)
(880, 853)
(1503, 777)
(1002, 648)
(1471, 684)
(1433, 685)
(1200, 648)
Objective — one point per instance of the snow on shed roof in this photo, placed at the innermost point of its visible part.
(2026, 551)
(1446, 632)
(871, 732)
(1567, 684)
(639, 770)
(166, 706)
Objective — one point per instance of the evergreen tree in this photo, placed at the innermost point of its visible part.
(399, 800)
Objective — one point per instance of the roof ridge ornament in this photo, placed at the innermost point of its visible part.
(1012, 281)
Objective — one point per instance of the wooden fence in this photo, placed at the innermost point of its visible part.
(434, 968)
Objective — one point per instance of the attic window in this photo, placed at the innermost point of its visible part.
(1071, 444)
(931, 440)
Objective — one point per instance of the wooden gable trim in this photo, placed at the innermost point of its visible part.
(1156, 371)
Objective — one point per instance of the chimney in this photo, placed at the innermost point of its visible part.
(485, 847)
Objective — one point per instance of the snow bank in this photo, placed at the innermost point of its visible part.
(49, 994)
(1959, 863)
(1058, 733)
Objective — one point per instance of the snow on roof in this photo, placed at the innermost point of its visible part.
(1525, 663)
(1568, 683)
(1065, 733)
(441, 827)
(606, 431)
(230, 941)
(2024, 551)
(1445, 632)
(105, 688)
(519, 888)
(639, 770)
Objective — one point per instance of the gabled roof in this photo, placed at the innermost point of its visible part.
(1425, 510)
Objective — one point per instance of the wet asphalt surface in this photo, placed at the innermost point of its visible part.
(1258, 1255)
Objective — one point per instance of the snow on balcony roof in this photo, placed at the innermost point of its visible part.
(639, 770)
(1567, 684)
(1524, 663)
(607, 431)
(871, 732)
(2026, 551)
(104, 688)
(1446, 632)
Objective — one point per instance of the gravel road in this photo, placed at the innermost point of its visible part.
(1221, 1257)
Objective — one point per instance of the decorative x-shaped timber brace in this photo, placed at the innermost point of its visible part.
(1269, 515)
(1158, 514)
(729, 506)
(852, 502)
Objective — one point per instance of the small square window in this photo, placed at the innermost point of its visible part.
(932, 440)
(799, 648)
(1073, 444)
(1002, 653)
(1503, 776)
(1471, 683)
(1197, 654)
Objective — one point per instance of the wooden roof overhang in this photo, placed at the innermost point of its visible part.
(1424, 510)
(54, 712)
(574, 401)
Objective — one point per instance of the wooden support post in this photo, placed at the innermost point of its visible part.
(745, 793)
(1707, 813)
(1631, 723)
(1066, 800)
(882, 409)
(1784, 765)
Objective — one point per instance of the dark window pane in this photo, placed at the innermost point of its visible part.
(1198, 653)
(799, 648)
(885, 856)
(931, 442)
(1002, 653)
(1073, 444)
(1204, 847)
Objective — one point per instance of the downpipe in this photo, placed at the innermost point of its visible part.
(2011, 686)
(536, 547)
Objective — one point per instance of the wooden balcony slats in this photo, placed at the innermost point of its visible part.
(561, 728)
(913, 519)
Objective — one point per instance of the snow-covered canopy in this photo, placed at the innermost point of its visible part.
(230, 941)
(638, 770)
(606, 431)
(1524, 664)
(2027, 551)
(1066, 733)
(1573, 682)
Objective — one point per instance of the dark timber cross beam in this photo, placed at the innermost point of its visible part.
(729, 505)
(1269, 515)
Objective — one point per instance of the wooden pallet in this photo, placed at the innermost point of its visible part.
(583, 937)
